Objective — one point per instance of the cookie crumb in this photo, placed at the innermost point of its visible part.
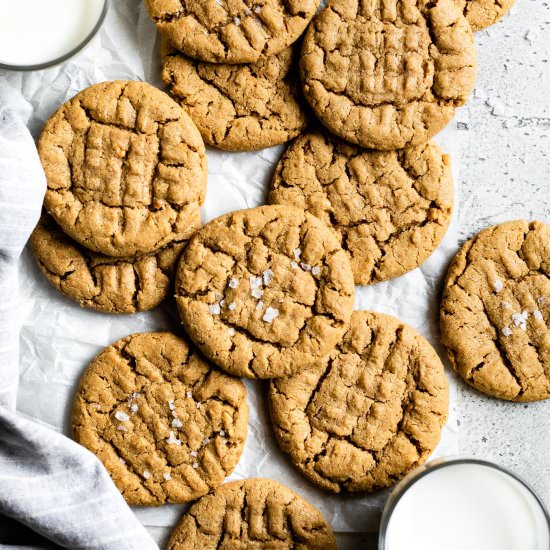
(122, 416)
(505, 305)
(233, 283)
(507, 331)
(270, 314)
(122, 428)
(541, 299)
(498, 285)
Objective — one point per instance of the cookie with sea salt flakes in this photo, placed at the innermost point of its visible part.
(265, 292)
(252, 514)
(111, 285)
(166, 425)
(369, 413)
(230, 31)
(495, 311)
(483, 13)
(390, 209)
(126, 169)
(385, 74)
(239, 107)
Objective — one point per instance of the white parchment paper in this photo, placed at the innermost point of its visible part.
(58, 339)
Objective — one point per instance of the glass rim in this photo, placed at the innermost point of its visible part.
(416, 475)
(58, 60)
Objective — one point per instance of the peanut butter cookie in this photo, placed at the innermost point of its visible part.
(126, 169)
(390, 209)
(265, 292)
(369, 413)
(386, 74)
(483, 13)
(167, 426)
(112, 285)
(231, 31)
(496, 310)
(239, 107)
(252, 514)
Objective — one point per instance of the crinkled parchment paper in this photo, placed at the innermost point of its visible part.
(58, 338)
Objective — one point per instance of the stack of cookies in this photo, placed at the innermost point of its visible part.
(357, 399)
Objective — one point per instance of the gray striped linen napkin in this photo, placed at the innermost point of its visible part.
(53, 492)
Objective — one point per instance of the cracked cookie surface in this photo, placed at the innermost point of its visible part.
(252, 514)
(368, 414)
(390, 209)
(483, 13)
(126, 169)
(231, 31)
(496, 310)
(167, 426)
(103, 283)
(387, 74)
(265, 292)
(239, 107)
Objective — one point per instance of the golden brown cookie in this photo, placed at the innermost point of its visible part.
(390, 209)
(368, 414)
(483, 13)
(126, 169)
(386, 74)
(265, 292)
(239, 107)
(112, 285)
(167, 426)
(496, 310)
(231, 31)
(252, 514)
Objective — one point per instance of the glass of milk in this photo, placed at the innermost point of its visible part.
(36, 34)
(464, 504)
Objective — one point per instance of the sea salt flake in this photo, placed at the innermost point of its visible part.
(122, 428)
(167, 476)
(122, 416)
(173, 440)
(195, 465)
(294, 265)
(257, 293)
(260, 305)
(537, 315)
(237, 21)
(498, 285)
(135, 395)
(218, 296)
(505, 305)
(233, 283)
(231, 331)
(215, 309)
(189, 394)
(194, 453)
(316, 271)
(257, 9)
(134, 408)
(177, 423)
(198, 405)
(206, 441)
(232, 306)
(305, 267)
(146, 474)
(267, 276)
(520, 319)
(507, 331)
(297, 253)
(171, 405)
(270, 314)
(122, 461)
(222, 433)
(541, 299)
(222, 303)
